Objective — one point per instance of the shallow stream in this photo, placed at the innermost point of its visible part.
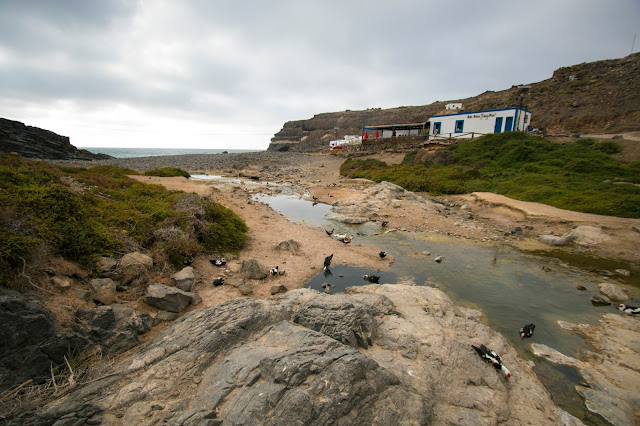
(510, 287)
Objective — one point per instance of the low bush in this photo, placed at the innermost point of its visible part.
(168, 172)
(608, 147)
(80, 214)
(576, 176)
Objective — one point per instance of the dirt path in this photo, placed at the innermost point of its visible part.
(632, 136)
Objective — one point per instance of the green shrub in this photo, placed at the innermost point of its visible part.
(568, 176)
(409, 157)
(168, 172)
(608, 147)
(225, 231)
(355, 166)
(80, 213)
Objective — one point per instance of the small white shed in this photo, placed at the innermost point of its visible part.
(472, 124)
(453, 105)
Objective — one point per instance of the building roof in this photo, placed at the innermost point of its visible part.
(478, 112)
(406, 126)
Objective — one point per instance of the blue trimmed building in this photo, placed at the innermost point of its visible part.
(477, 123)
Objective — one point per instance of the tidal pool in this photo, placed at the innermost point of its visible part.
(510, 287)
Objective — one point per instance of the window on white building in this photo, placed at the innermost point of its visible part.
(459, 126)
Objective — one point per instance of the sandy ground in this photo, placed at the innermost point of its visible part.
(482, 217)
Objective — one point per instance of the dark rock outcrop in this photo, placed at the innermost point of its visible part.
(31, 340)
(33, 142)
(115, 328)
(301, 360)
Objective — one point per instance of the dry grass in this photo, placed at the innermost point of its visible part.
(30, 396)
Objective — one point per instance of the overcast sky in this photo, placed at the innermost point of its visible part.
(229, 74)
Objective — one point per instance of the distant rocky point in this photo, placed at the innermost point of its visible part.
(33, 142)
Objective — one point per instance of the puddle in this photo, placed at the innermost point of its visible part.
(560, 381)
(341, 277)
(225, 180)
(296, 208)
(206, 177)
(510, 287)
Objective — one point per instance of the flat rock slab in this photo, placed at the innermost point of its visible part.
(301, 359)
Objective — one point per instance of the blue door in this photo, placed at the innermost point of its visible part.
(508, 124)
(498, 128)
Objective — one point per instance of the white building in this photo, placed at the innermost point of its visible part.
(478, 123)
(348, 140)
(454, 105)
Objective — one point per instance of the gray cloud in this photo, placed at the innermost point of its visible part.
(251, 66)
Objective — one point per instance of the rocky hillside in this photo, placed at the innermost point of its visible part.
(33, 142)
(596, 97)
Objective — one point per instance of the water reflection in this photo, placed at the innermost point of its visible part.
(341, 277)
(510, 287)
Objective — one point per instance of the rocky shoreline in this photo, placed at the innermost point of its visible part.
(477, 216)
(388, 318)
(382, 355)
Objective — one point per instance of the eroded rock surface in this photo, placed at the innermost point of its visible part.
(359, 208)
(611, 371)
(301, 359)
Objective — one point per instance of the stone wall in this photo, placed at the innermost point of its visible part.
(403, 142)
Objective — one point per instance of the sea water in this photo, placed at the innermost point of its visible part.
(155, 152)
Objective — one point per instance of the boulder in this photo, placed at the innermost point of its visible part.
(61, 282)
(167, 298)
(107, 267)
(624, 272)
(290, 245)
(243, 287)
(553, 240)
(278, 289)
(115, 328)
(82, 294)
(299, 360)
(253, 270)
(167, 316)
(184, 278)
(613, 292)
(600, 300)
(31, 340)
(134, 265)
(103, 290)
(586, 235)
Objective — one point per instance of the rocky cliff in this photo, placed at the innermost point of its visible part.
(33, 142)
(386, 354)
(596, 97)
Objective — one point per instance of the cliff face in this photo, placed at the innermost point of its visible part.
(596, 97)
(33, 142)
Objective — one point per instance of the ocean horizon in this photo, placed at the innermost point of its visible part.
(156, 152)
